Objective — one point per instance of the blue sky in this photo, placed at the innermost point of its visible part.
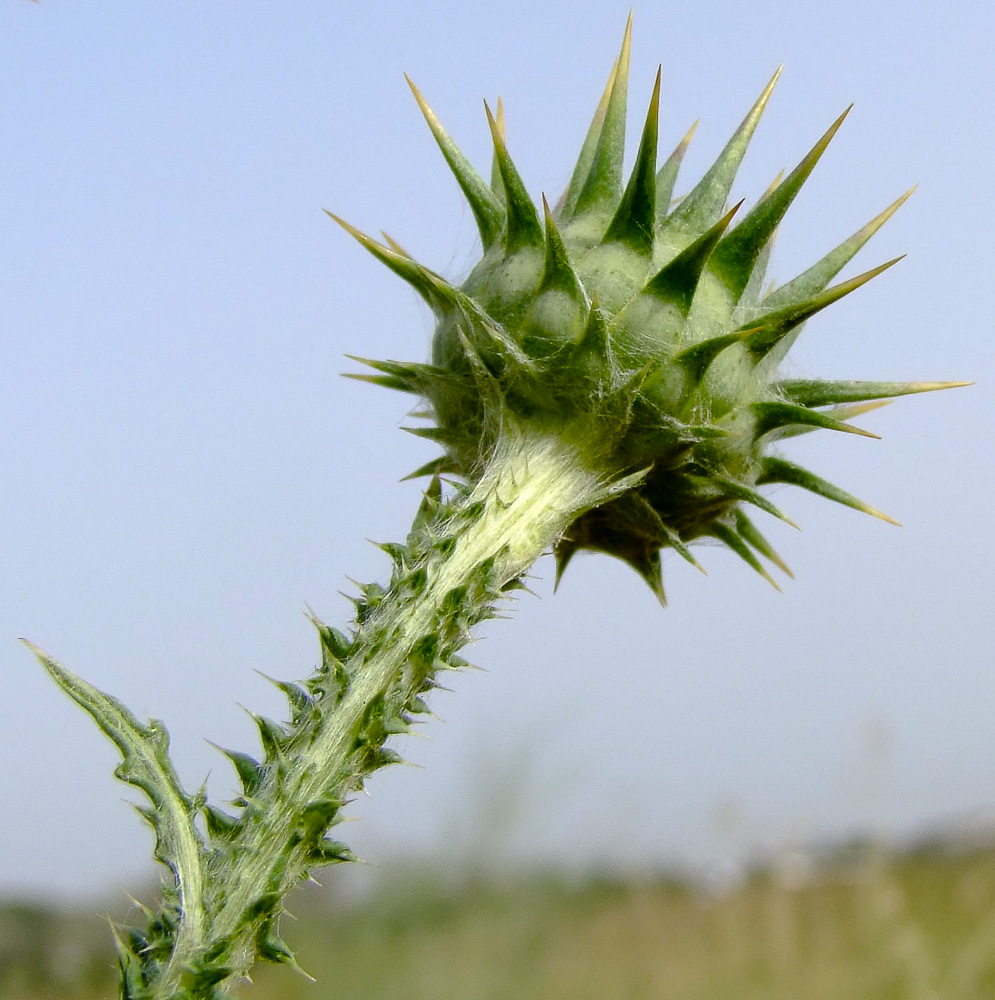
(184, 470)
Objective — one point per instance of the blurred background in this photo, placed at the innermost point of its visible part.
(184, 471)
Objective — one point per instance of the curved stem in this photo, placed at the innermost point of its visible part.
(533, 486)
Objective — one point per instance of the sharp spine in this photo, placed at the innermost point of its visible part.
(484, 203)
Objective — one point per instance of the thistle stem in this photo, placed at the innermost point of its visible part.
(533, 486)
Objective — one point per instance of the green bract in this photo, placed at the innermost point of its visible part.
(643, 333)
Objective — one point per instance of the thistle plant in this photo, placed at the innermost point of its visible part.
(605, 378)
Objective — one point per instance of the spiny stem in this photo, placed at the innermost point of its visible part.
(459, 559)
(531, 490)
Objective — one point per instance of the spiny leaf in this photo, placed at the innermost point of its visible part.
(425, 657)
(220, 825)
(270, 948)
(129, 945)
(563, 551)
(757, 286)
(146, 762)
(768, 331)
(405, 376)
(335, 646)
(484, 203)
(772, 416)
(817, 392)
(644, 558)
(603, 183)
(740, 491)
(263, 907)
(497, 185)
(250, 772)
(330, 852)
(696, 359)
(522, 220)
(394, 245)
(272, 735)
(677, 280)
(675, 542)
(433, 288)
(777, 470)
(846, 412)
(300, 701)
(752, 536)
(436, 467)
(431, 504)
(736, 255)
(650, 568)
(568, 201)
(594, 346)
(666, 176)
(636, 213)
(727, 534)
(442, 435)
(400, 555)
(146, 765)
(818, 276)
(438, 293)
(557, 271)
(317, 816)
(199, 979)
(384, 381)
(704, 204)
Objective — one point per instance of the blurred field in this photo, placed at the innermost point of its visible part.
(864, 924)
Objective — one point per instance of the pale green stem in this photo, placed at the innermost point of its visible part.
(533, 487)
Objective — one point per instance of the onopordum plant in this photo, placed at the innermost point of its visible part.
(605, 378)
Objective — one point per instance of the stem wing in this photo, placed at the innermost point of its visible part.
(146, 765)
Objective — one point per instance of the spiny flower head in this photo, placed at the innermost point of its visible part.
(644, 332)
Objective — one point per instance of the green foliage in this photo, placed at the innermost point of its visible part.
(292, 794)
(223, 897)
(648, 334)
(606, 379)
